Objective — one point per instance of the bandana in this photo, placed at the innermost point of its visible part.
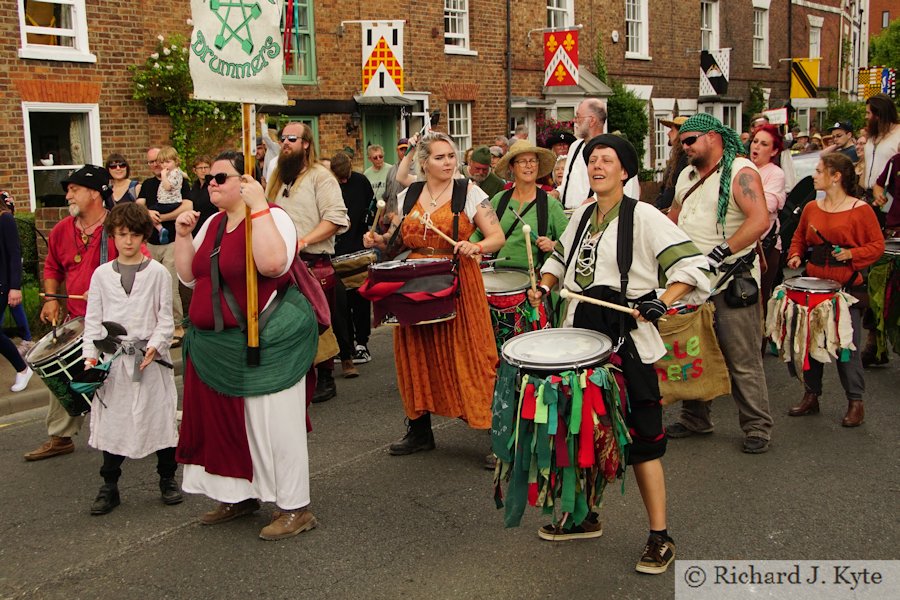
(731, 147)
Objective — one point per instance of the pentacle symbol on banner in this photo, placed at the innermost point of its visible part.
(235, 17)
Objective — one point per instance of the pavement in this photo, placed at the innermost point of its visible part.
(425, 526)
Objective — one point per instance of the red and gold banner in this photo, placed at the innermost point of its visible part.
(561, 58)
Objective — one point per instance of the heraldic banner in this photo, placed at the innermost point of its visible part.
(382, 58)
(236, 53)
(561, 57)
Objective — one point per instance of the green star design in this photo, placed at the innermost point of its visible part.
(235, 17)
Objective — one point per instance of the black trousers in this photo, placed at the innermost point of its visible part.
(360, 317)
(111, 469)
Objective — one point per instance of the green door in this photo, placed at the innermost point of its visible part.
(380, 129)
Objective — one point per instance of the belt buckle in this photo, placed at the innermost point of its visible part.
(430, 250)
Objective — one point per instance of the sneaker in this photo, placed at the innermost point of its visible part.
(591, 527)
(361, 356)
(756, 445)
(677, 430)
(25, 347)
(657, 556)
(22, 380)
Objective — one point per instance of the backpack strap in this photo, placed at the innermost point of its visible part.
(572, 159)
(504, 202)
(624, 253)
(543, 212)
(412, 196)
(458, 202)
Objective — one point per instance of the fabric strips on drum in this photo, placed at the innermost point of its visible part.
(804, 324)
(512, 315)
(884, 293)
(559, 440)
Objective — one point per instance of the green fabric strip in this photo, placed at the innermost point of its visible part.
(287, 348)
(676, 252)
(575, 414)
(540, 412)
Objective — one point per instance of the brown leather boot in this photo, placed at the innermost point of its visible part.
(809, 405)
(855, 414)
(55, 446)
(349, 369)
(227, 511)
(288, 523)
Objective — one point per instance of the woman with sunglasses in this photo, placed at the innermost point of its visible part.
(124, 188)
(243, 435)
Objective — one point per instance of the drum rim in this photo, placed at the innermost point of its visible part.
(411, 262)
(526, 284)
(571, 365)
(62, 350)
(340, 257)
(833, 285)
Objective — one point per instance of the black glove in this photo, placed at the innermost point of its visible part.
(718, 255)
(652, 310)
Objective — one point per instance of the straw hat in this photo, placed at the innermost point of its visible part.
(675, 123)
(546, 159)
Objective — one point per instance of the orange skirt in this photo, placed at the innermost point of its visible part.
(449, 368)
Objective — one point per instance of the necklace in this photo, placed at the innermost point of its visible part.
(85, 237)
(833, 208)
(434, 200)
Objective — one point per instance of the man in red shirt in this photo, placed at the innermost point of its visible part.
(74, 253)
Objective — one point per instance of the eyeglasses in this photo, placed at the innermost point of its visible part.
(527, 162)
(689, 141)
(379, 157)
(201, 168)
(290, 138)
(117, 165)
(219, 178)
(152, 162)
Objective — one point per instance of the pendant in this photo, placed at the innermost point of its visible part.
(85, 238)
(77, 258)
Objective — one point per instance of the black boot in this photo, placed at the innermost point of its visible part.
(325, 387)
(168, 487)
(418, 437)
(106, 500)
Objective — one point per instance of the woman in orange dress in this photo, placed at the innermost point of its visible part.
(446, 368)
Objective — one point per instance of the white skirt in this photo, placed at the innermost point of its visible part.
(276, 432)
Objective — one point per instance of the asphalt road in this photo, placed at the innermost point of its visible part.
(424, 526)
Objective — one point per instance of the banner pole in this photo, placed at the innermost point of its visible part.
(248, 148)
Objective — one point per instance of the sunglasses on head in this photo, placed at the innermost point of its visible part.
(219, 178)
(290, 138)
(689, 141)
(117, 165)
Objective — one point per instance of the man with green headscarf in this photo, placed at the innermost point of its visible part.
(720, 203)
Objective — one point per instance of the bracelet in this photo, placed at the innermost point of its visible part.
(46, 300)
(304, 242)
(480, 248)
(545, 289)
(261, 213)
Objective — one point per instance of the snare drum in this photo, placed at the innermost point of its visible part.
(353, 268)
(412, 292)
(507, 296)
(553, 386)
(56, 358)
(810, 291)
(892, 247)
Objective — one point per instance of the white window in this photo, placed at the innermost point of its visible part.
(661, 140)
(815, 35)
(885, 19)
(760, 37)
(728, 114)
(560, 13)
(54, 30)
(459, 124)
(709, 25)
(803, 119)
(456, 26)
(637, 43)
(58, 139)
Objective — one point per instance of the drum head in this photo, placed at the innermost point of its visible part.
(399, 264)
(67, 335)
(812, 284)
(501, 281)
(557, 349)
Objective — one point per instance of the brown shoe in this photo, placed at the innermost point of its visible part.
(809, 405)
(288, 523)
(349, 369)
(226, 511)
(855, 414)
(55, 446)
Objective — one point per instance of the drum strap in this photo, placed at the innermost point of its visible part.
(624, 254)
(574, 154)
(104, 246)
(542, 212)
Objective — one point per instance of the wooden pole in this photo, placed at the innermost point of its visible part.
(249, 149)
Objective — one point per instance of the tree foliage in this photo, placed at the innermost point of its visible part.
(628, 116)
(884, 48)
(841, 110)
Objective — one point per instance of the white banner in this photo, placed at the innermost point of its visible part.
(236, 51)
(382, 58)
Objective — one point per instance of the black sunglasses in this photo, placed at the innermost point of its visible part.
(117, 165)
(689, 141)
(220, 178)
(290, 138)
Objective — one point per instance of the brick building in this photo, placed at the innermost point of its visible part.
(66, 87)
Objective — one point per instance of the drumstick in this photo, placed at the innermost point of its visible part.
(567, 294)
(379, 211)
(526, 229)
(415, 215)
(70, 296)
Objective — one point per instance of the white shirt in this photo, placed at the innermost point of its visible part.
(575, 186)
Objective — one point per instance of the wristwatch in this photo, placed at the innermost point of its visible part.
(545, 289)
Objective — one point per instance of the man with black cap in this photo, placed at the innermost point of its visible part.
(587, 261)
(842, 140)
(720, 203)
(482, 173)
(76, 246)
(559, 142)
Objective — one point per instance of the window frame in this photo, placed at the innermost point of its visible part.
(93, 120)
(815, 33)
(565, 12)
(714, 25)
(661, 148)
(643, 35)
(311, 77)
(761, 41)
(463, 141)
(79, 52)
(460, 13)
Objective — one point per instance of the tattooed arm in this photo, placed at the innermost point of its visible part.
(486, 220)
(748, 194)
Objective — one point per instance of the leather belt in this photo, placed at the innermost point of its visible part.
(433, 251)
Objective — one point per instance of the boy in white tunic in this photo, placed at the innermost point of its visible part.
(133, 413)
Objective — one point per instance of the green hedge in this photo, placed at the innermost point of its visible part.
(28, 238)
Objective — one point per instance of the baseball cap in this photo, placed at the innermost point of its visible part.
(842, 125)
